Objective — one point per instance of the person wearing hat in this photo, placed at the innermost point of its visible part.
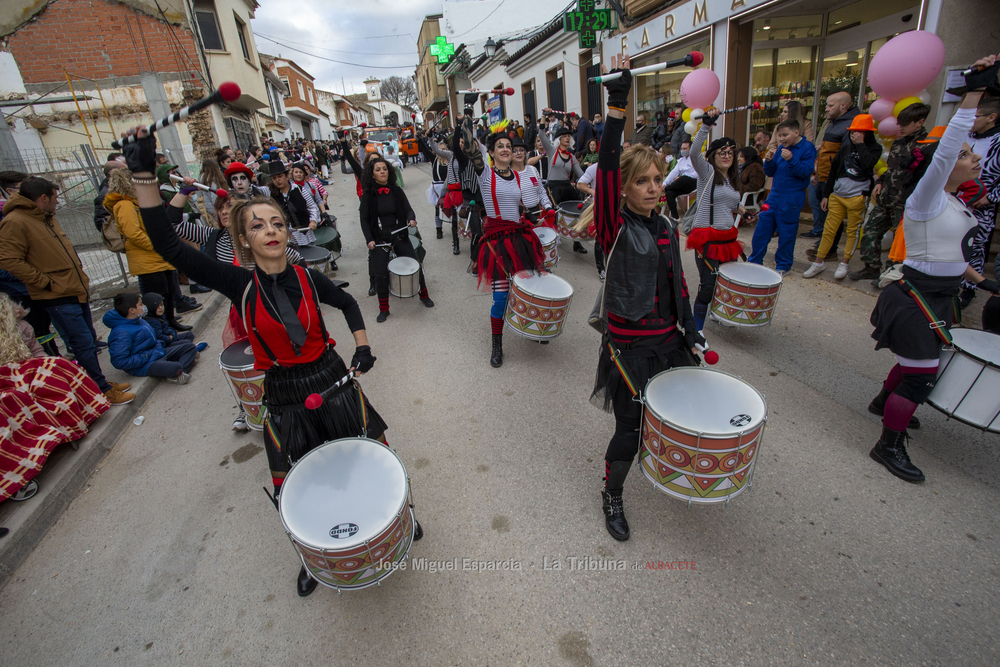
(240, 180)
(303, 217)
(564, 169)
(167, 189)
(851, 178)
(536, 201)
(713, 234)
(891, 189)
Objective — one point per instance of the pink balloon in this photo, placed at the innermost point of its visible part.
(700, 88)
(906, 65)
(881, 109)
(888, 127)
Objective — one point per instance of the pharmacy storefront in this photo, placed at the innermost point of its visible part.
(771, 52)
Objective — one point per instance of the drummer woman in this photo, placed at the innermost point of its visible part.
(912, 315)
(218, 244)
(281, 303)
(713, 235)
(647, 312)
(443, 183)
(508, 244)
(563, 168)
(385, 216)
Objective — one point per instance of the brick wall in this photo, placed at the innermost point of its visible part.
(294, 78)
(92, 38)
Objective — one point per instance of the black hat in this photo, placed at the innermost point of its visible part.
(276, 167)
(720, 143)
(517, 142)
(563, 131)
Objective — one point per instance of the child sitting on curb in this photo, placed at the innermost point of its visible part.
(164, 332)
(135, 349)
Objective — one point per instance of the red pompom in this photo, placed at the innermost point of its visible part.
(756, 106)
(313, 401)
(364, 125)
(579, 206)
(444, 113)
(697, 57)
(711, 357)
(230, 91)
(221, 193)
(413, 116)
(765, 207)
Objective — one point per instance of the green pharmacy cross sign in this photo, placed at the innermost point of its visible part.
(588, 21)
(442, 49)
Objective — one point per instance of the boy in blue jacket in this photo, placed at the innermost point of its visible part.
(791, 169)
(134, 347)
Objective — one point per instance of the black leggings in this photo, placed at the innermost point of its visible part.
(625, 442)
(707, 269)
(379, 257)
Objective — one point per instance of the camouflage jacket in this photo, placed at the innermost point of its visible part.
(897, 180)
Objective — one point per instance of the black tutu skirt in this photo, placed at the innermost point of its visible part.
(899, 323)
(642, 362)
(344, 413)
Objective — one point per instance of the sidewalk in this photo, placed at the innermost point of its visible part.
(67, 470)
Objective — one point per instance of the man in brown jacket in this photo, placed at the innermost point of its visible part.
(34, 248)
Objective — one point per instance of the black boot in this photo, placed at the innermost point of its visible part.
(578, 247)
(455, 250)
(371, 288)
(496, 357)
(305, 584)
(177, 326)
(890, 451)
(418, 532)
(877, 407)
(614, 510)
(440, 233)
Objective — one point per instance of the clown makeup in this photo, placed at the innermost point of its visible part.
(240, 183)
(266, 234)
(518, 156)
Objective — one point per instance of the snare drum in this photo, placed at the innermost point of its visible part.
(345, 506)
(968, 382)
(550, 245)
(745, 294)
(247, 384)
(701, 430)
(329, 238)
(404, 277)
(315, 257)
(566, 217)
(537, 305)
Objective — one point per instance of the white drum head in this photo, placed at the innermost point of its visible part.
(982, 345)
(546, 286)
(545, 235)
(404, 266)
(238, 356)
(703, 400)
(746, 273)
(343, 493)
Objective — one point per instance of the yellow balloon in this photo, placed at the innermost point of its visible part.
(880, 167)
(687, 114)
(903, 103)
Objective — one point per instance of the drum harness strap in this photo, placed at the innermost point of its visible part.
(939, 326)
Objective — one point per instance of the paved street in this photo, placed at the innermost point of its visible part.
(174, 556)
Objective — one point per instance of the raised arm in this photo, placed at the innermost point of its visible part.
(345, 150)
(547, 143)
(703, 168)
(929, 199)
(472, 150)
(607, 187)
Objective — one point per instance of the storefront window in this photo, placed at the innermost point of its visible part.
(841, 72)
(787, 27)
(866, 11)
(780, 76)
(661, 91)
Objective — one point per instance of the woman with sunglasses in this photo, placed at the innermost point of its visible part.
(713, 236)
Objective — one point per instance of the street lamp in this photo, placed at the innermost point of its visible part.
(490, 47)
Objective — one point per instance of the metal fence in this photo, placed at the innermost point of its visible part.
(75, 170)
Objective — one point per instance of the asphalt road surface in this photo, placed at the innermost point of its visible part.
(174, 556)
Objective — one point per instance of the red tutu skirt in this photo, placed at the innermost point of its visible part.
(507, 248)
(44, 402)
(715, 244)
(452, 198)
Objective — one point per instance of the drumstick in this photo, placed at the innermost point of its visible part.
(495, 91)
(227, 92)
(711, 356)
(755, 106)
(201, 186)
(692, 59)
(313, 401)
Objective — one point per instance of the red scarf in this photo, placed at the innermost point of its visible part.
(559, 152)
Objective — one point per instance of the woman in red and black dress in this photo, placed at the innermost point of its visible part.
(280, 303)
(649, 325)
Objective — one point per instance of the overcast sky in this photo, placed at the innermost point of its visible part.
(372, 32)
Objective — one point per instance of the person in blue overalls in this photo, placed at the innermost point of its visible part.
(791, 168)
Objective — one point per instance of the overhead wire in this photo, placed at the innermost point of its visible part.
(339, 62)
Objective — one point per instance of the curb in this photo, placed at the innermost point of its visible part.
(67, 471)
